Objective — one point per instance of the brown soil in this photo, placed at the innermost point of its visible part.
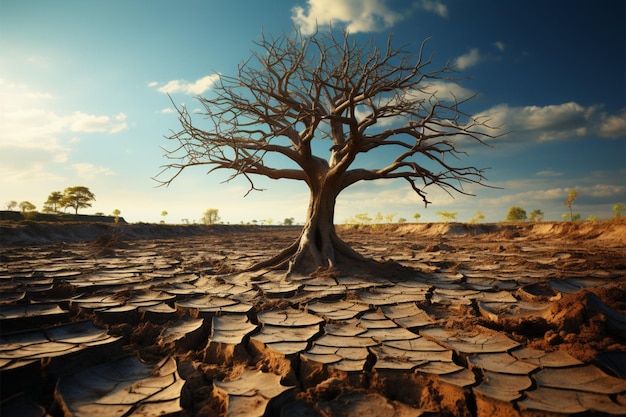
(541, 257)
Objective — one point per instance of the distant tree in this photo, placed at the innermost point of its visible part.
(210, 216)
(11, 204)
(478, 216)
(116, 213)
(27, 206)
(298, 92)
(362, 218)
(417, 216)
(270, 220)
(77, 197)
(571, 196)
(619, 209)
(288, 221)
(447, 216)
(536, 216)
(389, 217)
(378, 218)
(401, 220)
(53, 202)
(516, 214)
(163, 214)
(592, 219)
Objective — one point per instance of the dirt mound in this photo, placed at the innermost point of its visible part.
(613, 231)
(41, 233)
(587, 322)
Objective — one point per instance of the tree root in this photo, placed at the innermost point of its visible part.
(296, 259)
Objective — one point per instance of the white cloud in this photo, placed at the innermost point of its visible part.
(500, 45)
(28, 125)
(167, 110)
(446, 91)
(468, 60)
(557, 121)
(89, 171)
(181, 86)
(440, 91)
(89, 123)
(434, 6)
(612, 126)
(548, 173)
(357, 15)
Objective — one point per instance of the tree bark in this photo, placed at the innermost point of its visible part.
(318, 247)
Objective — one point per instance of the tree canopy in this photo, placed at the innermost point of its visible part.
(306, 108)
(210, 216)
(77, 197)
(53, 202)
(516, 214)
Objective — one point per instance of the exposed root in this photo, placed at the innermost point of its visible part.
(305, 259)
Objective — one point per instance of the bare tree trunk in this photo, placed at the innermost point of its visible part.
(316, 243)
(318, 246)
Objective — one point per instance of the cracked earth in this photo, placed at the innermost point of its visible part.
(148, 320)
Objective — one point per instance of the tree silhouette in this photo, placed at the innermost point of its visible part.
(516, 214)
(571, 196)
(210, 216)
(77, 197)
(319, 103)
(53, 202)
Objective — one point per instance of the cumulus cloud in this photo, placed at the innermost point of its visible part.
(28, 125)
(446, 91)
(439, 91)
(612, 126)
(557, 121)
(182, 86)
(89, 171)
(500, 45)
(467, 60)
(434, 6)
(89, 123)
(357, 16)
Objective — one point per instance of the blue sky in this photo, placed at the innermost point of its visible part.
(83, 100)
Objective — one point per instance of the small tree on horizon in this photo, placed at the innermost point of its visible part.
(417, 216)
(389, 217)
(12, 204)
(163, 214)
(210, 216)
(77, 197)
(478, 216)
(53, 202)
(516, 214)
(619, 209)
(447, 216)
(116, 213)
(571, 196)
(320, 103)
(536, 216)
(27, 206)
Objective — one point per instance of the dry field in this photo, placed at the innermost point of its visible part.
(149, 320)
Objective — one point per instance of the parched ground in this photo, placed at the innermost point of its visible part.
(139, 320)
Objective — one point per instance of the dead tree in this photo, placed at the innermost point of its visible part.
(296, 92)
